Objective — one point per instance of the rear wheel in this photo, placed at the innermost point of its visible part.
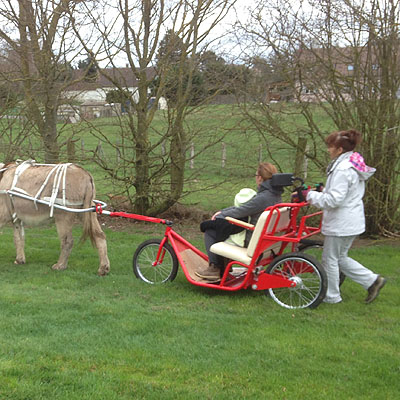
(315, 250)
(145, 266)
(306, 272)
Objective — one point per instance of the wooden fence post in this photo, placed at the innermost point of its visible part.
(163, 148)
(118, 151)
(192, 155)
(223, 155)
(99, 151)
(71, 151)
(300, 167)
(305, 163)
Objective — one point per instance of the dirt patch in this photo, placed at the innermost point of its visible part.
(120, 224)
(181, 212)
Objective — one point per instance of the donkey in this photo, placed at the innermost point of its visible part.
(66, 184)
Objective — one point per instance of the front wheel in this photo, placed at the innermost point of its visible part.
(306, 272)
(150, 270)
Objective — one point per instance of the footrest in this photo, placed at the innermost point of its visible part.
(194, 262)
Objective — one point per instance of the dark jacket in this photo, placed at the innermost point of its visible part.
(266, 196)
(223, 229)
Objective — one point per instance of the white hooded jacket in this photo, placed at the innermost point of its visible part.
(341, 199)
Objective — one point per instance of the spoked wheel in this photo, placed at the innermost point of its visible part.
(315, 250)
(308, 275)
(148, 269)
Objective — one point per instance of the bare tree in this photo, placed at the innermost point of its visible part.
(339, 64)
(11, 137)
(152, 158)
(40, 50)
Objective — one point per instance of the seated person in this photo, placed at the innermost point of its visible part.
(238, 239)
(225, 231)
(267, 195)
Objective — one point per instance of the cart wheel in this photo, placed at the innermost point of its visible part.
(310, 278)
(315, 250)
(144, 259)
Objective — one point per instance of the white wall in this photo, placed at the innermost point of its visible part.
(97, 96)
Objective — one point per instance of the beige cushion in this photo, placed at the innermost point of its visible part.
(231, 251)
(243, 254)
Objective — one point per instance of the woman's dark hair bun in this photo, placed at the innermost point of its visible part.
(348, 140)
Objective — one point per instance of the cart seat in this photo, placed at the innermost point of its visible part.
(245, 254)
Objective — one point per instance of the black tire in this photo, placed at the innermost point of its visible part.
(143, 260)
(310, 278)
(315, 250)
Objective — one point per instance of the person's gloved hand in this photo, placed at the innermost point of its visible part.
(300, 195)
(294, 198)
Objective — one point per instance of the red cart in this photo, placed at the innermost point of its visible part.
(271, 263)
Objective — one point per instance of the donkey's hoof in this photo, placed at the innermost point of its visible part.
(103, 270)
(19, 262)
(58, 267)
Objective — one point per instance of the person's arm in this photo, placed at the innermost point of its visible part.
(255, 205)
(336, 194)
(215, 215)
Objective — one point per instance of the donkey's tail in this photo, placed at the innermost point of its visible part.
(91, 227)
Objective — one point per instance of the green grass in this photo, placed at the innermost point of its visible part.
(74, 335)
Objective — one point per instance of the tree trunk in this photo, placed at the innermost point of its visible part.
(49, 137)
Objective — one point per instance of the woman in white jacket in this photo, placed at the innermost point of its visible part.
(343, 215)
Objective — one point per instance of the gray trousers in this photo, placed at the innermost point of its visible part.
(335, 259)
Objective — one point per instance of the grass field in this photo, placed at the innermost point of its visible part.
(74, 335)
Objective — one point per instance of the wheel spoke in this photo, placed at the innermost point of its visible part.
(308, 276)
(146, 266)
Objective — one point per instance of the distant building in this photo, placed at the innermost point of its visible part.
(91, 95)
(88, 90)
(321, 74)
(337, 71)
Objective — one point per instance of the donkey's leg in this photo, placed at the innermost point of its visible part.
(64, 223)
(100, 242)
(19, 242)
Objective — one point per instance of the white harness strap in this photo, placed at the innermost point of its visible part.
(18, 190)
(19, 170)
(60, 175)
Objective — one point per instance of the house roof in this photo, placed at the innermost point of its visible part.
(338, 58)
(108, 78)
